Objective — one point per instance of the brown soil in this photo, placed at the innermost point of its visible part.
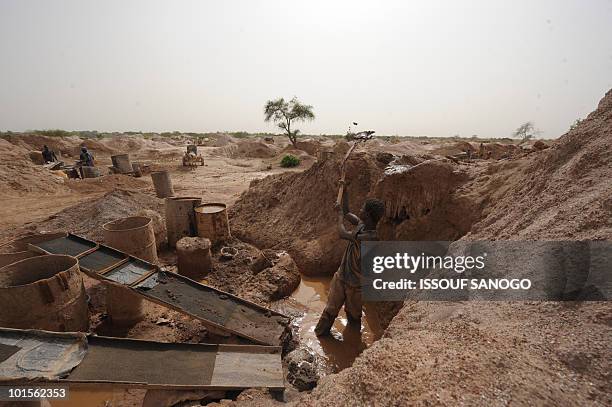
(236, 276)
(473, 353)
(248, 149)
(563, 192)
(423, 202)
(294, 212)
(481, 354)
(442, 353)
(87, 218)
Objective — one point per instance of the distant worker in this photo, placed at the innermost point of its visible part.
(87, 159)
(345, 287)
(48, 155)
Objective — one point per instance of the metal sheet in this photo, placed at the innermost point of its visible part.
(151, 363)
(41, 356)
(129, 272)
(29, 354)
(248, 369)
(71, 245)
(212, 306)
(201, 302)
(204, 302)
(101, 259)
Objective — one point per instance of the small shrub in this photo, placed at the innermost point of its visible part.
(290, 161)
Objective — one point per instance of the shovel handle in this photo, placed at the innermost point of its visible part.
(343, 173)
(340, 193)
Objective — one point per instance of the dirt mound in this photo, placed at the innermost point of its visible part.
(481, 354)
(396, 146)
(494, 151)
(275, 280)
(20, 178)
(63, 146)
(312, 147)
(295, 211)
(70, 147)
(247, 149)
(498, 151)
(222, 140)
(134, 144)
(87, 218)
(107, 183)
(19, 175)
(455, 147)
(562, 192)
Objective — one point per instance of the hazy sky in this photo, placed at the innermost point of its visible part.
(404, 67)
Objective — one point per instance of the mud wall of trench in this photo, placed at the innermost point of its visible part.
(295, 212)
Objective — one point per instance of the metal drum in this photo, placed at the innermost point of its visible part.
(133, 235)
(212, 222)
(180, 218)
(122, 163)
(162, 184)
(44, 292)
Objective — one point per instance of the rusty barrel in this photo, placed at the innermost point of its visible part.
(193, 257)
(180, 218)
(212, 222)
(123, 306)
(122, 163)
(8, 258)
(18, 249)
(162, 183)
(136, 170)
(133, 235)
(44, 292)
(90, 172)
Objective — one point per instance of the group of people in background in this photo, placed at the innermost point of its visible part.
(86, 159)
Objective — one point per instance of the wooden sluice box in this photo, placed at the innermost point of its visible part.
(218, 309)
(34, 356)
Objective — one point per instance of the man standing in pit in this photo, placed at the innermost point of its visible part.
(345, 287)
(87, 159)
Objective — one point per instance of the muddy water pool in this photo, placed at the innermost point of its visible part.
(345, 343)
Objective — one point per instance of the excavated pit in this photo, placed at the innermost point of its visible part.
(423, 201)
